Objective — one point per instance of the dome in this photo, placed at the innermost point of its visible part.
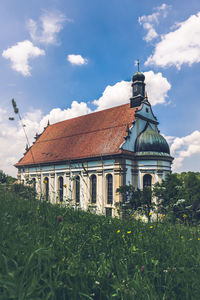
(151, 141)
(138, 76)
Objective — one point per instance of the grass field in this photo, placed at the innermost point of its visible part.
(50, 252)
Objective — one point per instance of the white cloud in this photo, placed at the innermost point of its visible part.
(20, 54)
(157, 88)
(77, 59)
(57, 115)
(150, 21)
(181, 46)
(114, 95)
(46, 30)
(185, 147)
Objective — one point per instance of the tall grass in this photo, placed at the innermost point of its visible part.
(51, 252)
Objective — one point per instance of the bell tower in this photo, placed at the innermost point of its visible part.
(138, 86)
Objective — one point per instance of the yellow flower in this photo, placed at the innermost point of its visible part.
(128, 232)
(182, 237)
(38, 208)
(118, 231)
(198, 239)
(150, 226)
(150, 213)
(45, 181)
(184, 216)
(163, 216)
(123, 235)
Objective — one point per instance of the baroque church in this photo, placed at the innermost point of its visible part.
(82, 161)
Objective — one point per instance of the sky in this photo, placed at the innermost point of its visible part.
(64, 58)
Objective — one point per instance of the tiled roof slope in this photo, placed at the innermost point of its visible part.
(96, 134)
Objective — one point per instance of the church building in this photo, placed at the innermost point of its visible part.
(82, 161)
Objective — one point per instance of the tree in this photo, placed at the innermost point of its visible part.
(2, 177)
(136, 200)
(179, 196)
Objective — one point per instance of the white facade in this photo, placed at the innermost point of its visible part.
(92, 183)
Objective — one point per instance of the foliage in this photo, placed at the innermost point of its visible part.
(179, 196)
(6, 178)
(51, 252)
(136, 200)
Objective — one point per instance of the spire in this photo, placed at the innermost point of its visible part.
(138, 86)
(138, 65)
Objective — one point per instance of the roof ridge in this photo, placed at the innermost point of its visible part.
(90, 113)
(86, 132)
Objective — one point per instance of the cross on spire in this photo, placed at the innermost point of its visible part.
(138, 65)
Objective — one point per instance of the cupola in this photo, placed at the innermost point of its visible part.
(150, 140)
(138, 86)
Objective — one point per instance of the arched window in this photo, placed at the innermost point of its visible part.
(46, 188)
(109, 189)
(60, 186)
(34, 183)
(77, 189)
(147, 180)
(93, 186)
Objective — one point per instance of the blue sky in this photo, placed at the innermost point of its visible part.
(58, 56)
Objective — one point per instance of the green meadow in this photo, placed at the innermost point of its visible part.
(53, 252)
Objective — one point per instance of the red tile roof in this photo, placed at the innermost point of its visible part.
(96, 134)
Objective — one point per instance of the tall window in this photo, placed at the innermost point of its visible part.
(60, 181)
(46, 188)
(147, 180)
(109, 189)
(93, 184)
(34, 183)
(77, 189)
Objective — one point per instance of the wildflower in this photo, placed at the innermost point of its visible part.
(182, 237)
(118, 231)
(151, 226)
(123, 235)
(128, 232)
(198, 239)
(59, 219)
(97, 282)
(163, 216)
(184, 216)
(45, 181)
(142, 269)
(150, 213)
(38, 208)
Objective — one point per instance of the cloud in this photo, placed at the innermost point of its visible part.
(150, 21)
(181, 46)
(20, 54)
(184, 147)
(45, 31)
(157, 88)
(116, 94)
(77, 59)
(57, 115)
